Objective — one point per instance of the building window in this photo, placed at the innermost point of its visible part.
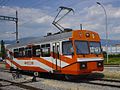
(45, 48)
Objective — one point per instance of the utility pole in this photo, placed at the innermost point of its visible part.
(15, 19)
(17, 41)
(80, 26)
(106, 26)
(3, 52)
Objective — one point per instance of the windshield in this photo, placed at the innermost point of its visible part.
(81, 47)
(95, 48)
(67, 48)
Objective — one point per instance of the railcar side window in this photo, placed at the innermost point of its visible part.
(67, 48)
(28, 52)
(21, 52)
(45, 50)
(16, 53)
(36, 51)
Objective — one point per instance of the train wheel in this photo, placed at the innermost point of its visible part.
(69, 77)
(36, 74)
(11, 69)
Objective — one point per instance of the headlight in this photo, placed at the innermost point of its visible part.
(100, 64)
(83, 65)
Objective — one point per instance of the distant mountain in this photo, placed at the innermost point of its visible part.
(8, 41)
(22, 39)
(103, 41)
(110, 42)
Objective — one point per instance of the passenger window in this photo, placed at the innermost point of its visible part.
(45, 50)
(21, 52)
(16, 53)
(28, 52)
(67, 48)
(36, 51)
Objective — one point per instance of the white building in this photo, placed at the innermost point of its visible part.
(115, 49)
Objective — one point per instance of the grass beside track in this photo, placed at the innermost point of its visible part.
(113, 60)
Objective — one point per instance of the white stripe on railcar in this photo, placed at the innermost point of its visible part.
(89, 59)
(52, 60)
(35, 64)
(11, 64)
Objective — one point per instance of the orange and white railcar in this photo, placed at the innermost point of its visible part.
(73, 53)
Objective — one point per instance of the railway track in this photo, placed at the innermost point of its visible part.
(112, 65)
(13, 83)
(114, 83)
(20, 85)
(102, 82)
(111, 83)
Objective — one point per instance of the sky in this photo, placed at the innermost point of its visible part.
(35, 17)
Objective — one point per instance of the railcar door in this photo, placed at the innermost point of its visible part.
(56, 56)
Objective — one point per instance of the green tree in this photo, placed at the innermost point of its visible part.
(3, 52)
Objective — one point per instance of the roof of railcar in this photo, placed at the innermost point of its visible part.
(37, 40)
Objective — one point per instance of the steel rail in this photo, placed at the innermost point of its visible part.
(21, 85)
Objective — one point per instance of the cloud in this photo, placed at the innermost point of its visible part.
(116, 30)
(31, 22)
(36, 22)
(93, 18)
(44, 19)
